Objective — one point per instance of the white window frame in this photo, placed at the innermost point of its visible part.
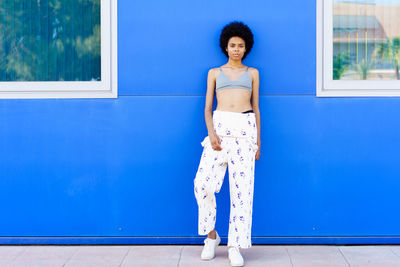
(326, 86)
(106, 88)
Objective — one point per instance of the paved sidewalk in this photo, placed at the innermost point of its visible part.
(189, 256)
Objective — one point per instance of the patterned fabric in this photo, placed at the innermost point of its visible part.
(238, 134)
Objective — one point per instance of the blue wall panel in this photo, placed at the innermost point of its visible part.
(125, 167)
(166, 48)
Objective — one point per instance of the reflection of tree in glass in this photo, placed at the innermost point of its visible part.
(50, 40)
(364, 67)
(341, 64)
(390, 50)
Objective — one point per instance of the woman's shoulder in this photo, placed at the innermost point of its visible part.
(253, 72)
(214, 71)
(253, 69)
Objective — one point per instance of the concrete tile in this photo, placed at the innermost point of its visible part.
(98, 256)
(191, 257)
(152, 255)
(395, 249)
(255, 256)
(44, 256)
(268, 256)
(370, 256)
(324, 256)
(8, 253)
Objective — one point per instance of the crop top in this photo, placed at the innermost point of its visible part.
(244, 81)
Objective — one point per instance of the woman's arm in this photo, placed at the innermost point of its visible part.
(209, 101)
(256, 109)
(214, 138)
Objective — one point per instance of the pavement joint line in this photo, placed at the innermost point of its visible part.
(290, 258)
(126, 254)
(393, 252)
(73, 254)
(180, 255)
(341, 252)
(19, 254)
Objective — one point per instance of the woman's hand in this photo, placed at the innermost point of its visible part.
(258, 153)
(215, 141)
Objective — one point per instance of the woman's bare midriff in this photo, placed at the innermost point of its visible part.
(234, 100)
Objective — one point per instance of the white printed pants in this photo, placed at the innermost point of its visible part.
(238, 135)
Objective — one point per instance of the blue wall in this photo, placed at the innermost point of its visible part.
(120, 170)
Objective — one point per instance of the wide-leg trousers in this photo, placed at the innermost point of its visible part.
(238, 135)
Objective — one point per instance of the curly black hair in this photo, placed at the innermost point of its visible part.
(239, 29)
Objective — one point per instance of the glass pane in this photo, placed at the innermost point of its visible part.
(366, 39)
(50, 40)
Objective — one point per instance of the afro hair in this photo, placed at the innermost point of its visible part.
(239, 29)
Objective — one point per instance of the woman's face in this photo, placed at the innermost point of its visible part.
(236, 48)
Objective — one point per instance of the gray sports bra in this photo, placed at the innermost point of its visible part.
(244, 81)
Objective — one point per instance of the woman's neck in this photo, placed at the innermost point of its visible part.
(236, 64)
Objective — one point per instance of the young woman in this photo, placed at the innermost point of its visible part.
(233, 141)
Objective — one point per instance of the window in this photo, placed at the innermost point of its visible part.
(358, 48)
(58, 49)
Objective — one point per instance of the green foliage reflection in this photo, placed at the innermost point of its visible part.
(50, 40)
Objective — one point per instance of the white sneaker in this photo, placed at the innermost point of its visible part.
(208, 252)
(235, 258)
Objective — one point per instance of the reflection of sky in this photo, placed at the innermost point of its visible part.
(377, 2)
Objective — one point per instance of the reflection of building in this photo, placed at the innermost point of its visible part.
(360, 28)
(350, 27)
(385, 15)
